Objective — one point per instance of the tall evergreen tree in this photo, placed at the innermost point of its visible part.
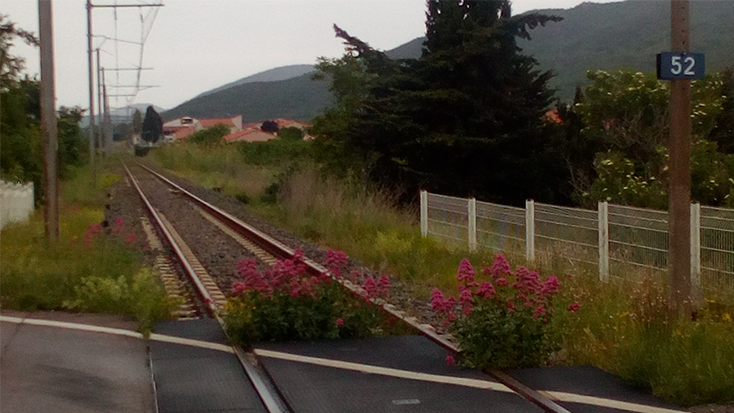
(467, 117)
(152, 126)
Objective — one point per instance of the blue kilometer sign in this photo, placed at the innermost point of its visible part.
(680, 65)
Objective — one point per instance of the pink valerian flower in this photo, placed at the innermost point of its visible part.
(450, 360)
(91, 233)
(335, 261)
(574, 307)
(131, 239)
(510, 305)
(500, 267)
(465, 272)
(118, 226)
(502, 282)
(339, 322)
(465, 296)
(383, 285)
(437, 300)
(550, 286)
(370, 287)
(486, 290)
(539, 311)
(527, 281)
(467, 309)
(252, 279)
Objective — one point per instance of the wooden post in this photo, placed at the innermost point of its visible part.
(679, 210)
(48, 120)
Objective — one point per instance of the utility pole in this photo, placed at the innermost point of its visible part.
(48, 120)
(679, 222)
(100, 76)
(92, 133)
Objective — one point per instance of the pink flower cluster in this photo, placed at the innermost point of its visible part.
(527, 290)
(335, 261)
(118, 229)
(376, 289)
(288, 276)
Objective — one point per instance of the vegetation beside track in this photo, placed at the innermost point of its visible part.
(621, 326)
(89, 269)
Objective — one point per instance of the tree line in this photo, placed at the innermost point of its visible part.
(473, 116)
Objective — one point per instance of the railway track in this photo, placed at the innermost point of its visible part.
(267, 250)
(203, 295)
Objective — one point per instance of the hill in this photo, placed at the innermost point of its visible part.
(295, 98)
(625, 34)
(591, 36)
(272, 75)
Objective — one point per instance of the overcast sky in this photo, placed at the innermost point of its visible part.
(197, 45)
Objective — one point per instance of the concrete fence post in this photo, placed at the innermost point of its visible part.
(472, 227)
(604, 241)
(530, 230)
(424, 213)
(696, 246)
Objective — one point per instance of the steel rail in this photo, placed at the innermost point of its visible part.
(273, 403)
(279, 249)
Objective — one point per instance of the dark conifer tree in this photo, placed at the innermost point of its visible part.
(467, 117)
(152, 126)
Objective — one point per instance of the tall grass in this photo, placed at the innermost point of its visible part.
(621, 327)
(80, 271)
(215, 167)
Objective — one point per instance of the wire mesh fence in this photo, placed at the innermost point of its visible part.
(717, 247)
(638, 237)
(618, 240)
(501, 227)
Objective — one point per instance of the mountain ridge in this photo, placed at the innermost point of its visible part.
(604, 36)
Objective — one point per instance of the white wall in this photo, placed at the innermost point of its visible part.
(16, 202)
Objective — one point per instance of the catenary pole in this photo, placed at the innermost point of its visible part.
(48, 120)
(92, 133)
(679, 213)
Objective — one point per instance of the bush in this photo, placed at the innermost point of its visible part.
(285, 303)
(502, 323)
(209, 136)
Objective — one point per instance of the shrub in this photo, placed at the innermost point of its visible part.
(504, 322)
(209, 136)
(286, 303)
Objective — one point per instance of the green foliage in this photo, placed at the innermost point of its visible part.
(85, 270)
(503, 322)
(285, 303)
(275, 152)
(462, 119)
(290, 134)
(73, 145)
(209, 136)
(137, 123)
(627, 330)
(626, 119)
(140, 296)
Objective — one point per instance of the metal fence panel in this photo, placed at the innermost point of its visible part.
(717, 247)
(448, 218)
(572, 233)
(501, 227)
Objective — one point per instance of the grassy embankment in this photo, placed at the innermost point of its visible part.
(621, 327)
(88, 269)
